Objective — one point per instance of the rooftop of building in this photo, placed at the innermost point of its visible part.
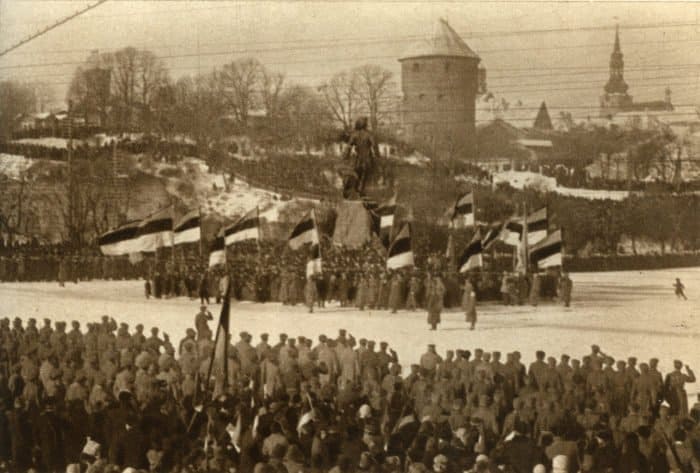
(444, 42)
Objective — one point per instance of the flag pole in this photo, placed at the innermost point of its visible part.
(201, 240)
(525, 240)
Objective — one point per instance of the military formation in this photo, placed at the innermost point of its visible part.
(106, 398)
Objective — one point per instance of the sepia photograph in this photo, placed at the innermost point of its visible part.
(349, 237)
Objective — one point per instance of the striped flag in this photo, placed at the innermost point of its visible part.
(155, 232)
(385, 213)
(537, 225)
(188, 229)
(400, 252)
(120, 241)
(472, 256)
(493, 234)
(246, 228)
(313, 266)
(463, 212)
(304, 232)
(217, 251)
(548, 252)
(218, 363)
(512, 231)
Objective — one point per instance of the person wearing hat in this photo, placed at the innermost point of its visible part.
(430, 360)
(153, 343)
(469, 303)
(190, 336)
(247, 356)
(201, 323)
(138, 339)
(675, 388)
(435, 294)
(263, 347)
(44, 332)
(413, 290)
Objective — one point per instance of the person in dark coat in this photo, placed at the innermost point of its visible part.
(434, 301)
(76, 430)
(49, 434)
(519, 451)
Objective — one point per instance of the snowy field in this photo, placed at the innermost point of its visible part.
(626, 313)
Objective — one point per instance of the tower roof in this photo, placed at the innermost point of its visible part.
(444, 42)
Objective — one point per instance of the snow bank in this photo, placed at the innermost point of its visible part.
(13, 165)
(217, 193)
(528, 179)
(49, 142)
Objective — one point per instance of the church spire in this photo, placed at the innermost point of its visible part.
(616, 49)
(616, 83)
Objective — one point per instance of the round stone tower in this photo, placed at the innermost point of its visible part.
(440, 82)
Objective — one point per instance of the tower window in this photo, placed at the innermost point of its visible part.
(416, 67)
(421, 96)
(440, 96)
(447, 67)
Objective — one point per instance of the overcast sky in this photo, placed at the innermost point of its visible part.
(533, 51)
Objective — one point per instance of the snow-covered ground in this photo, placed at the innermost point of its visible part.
(13, 165)
(626, 313)
(523, 179)
(49, 142)
(211, 195)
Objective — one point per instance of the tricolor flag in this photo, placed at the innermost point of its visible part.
(463, 212)
(313, 266)
(246, 228)
(120, 241)
(217, 251)
(537, 225)
(218, 363)
(493, 234)
(400, 252)
(155, 232)
(472, 256)
(188, 229)
(548, 252)
(512, 231)
(304, 232)
(385, 213)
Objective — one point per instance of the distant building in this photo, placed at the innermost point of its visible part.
(615, 98)
(440, 80)
(525, 116)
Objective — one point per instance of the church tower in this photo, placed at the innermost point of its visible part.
(615, 99)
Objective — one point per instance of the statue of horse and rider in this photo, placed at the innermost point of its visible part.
(362, 153)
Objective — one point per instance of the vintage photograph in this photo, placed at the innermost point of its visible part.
(349, 237)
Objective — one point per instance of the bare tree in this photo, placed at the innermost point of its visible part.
(238, 81)
(272, 84)
(151, 77)
(341, 94)
(198, 107)
(374, 90)
(15, 99)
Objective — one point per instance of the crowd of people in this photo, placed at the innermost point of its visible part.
(91, 149)
(111, 399)
(33, 263)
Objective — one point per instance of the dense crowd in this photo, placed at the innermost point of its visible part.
(89, 150)
(32, 263)
(109, 398)
(270, 272)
